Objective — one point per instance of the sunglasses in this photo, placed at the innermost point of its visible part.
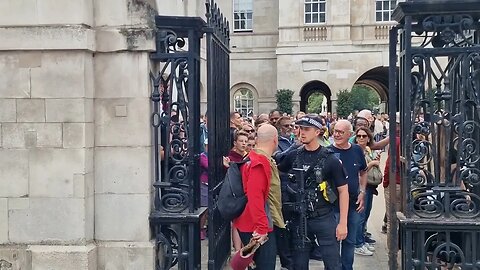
(249, 130)
(288, 126)
(361, 136)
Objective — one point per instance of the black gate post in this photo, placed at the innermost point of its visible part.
(175, 219)
(439, 92)
(218, 98)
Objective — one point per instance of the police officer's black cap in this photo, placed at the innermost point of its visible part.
(309, 121)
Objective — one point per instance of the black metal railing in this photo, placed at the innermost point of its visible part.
(439, 93)
(218, 98)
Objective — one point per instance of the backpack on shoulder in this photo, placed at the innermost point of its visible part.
(231, 199)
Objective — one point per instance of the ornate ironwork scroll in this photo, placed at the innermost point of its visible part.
(439, 133)
(176, 123)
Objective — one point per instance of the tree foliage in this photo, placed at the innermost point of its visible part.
(315, 101)
(361, 97)
(284, 100)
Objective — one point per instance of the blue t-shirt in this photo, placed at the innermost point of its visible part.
(353, 161)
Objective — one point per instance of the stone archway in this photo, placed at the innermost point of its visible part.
(315, 87)
(377, 79)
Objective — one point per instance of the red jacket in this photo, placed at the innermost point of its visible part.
(386, 179)
(256, 182)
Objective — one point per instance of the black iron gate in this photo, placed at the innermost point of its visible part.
(175, 220)
(218, 99)
(439, 93)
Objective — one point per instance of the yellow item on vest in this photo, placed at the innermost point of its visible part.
(323, 188)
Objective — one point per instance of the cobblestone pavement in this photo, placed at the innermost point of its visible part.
(379, 260)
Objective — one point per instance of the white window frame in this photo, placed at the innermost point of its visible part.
(312, 13)
(244, 99)
(248, 12)
(383, 10)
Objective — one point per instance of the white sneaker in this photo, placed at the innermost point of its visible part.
(370, 247)
(363, 250)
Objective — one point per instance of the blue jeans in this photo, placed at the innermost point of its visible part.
(266, 255)
(364, 217)
(324, 228)
(348, 245)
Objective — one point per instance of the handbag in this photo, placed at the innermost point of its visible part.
(244, 257)
(374, 174)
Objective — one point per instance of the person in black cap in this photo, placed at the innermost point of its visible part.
(325, 185)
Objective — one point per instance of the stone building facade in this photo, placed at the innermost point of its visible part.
(306, 46)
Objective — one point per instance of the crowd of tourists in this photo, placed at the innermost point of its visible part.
(341, 163)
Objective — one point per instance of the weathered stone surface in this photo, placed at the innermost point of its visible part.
(78, 135)
(121, 217)
(89, 218)
(17, 256)
(62, 75)
(3, 221)
(64, 257)
(69, 110)
(131, 73)
(16, 135)
(52, 171)
(122, 131)
(13, 173)
(8, 107)
(125, 255)
(52, 37)
(30, 110)
(132, 172)
(14, 82)
(18, 203)
(56, 220)
(31, 12)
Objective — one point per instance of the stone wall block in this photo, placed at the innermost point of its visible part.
(64, 12)
(132, 173)
(111, 12)
(130, 71)
(69, 110)
(52, 171)
(61, 76)
(30, 110)
(19, 135)
(48, 220)
(64, 257)
(14, 82)
(3, 221)
(48, 37)
(18, 203)
(111, 130)
(122, 217)
(18, 12)
(8, 107)
(89, 218)
(126, 255)
(18, 256)
(78, 135)
(14, 173)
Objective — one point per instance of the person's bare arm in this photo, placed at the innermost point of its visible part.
(361, 195)
(380, 144)
(343, 199)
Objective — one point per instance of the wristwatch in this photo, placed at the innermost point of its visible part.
(362, 190)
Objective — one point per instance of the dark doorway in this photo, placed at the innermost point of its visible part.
(315, 87)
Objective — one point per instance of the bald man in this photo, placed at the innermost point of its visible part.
(353, 160)
(262, 188)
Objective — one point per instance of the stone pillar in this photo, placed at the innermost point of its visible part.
(75, 156)
(46, 149)
(123, 152)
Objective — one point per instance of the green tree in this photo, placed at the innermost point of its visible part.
(284, 100)
(315, 103)
(344, 104)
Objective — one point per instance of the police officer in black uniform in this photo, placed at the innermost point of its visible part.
(325, 185)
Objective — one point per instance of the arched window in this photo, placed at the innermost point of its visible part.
(243, 101)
